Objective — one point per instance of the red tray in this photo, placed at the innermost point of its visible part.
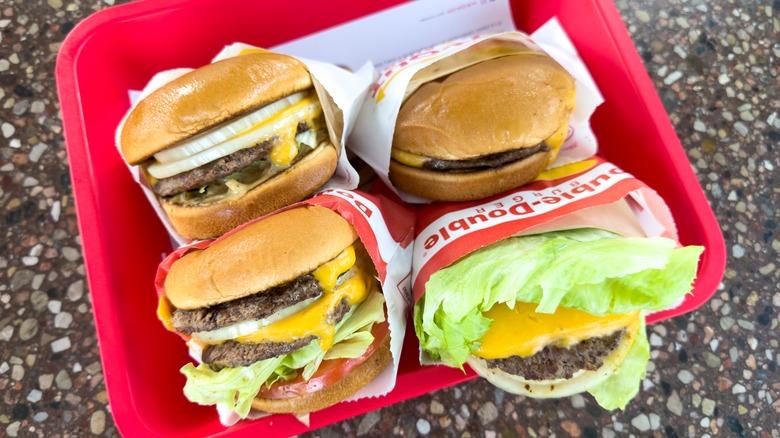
(120, 48)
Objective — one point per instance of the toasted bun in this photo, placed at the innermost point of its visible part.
(267, 253)
(463, 186)
(580, 382)
(206, 97)
(335, 393)
(494, 106)
(294, 184)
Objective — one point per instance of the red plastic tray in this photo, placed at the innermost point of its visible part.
(120, 48)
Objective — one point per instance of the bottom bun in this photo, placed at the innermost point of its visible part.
(339, 391)
(466, 186)
(580, 382)
(290, 186)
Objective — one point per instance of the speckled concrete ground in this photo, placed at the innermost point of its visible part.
(714, 372)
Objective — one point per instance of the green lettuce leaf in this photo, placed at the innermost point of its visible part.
(621, 387)
(591, 270)
(235, 388)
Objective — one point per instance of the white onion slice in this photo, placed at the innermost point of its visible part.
(225, 131)
(248, 139)
(244, 328)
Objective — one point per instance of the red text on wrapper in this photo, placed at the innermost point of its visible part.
(454, 232)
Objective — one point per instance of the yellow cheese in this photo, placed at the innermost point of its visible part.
(522, 332)
(286, 149)
(165, 312)
(408, 158)
(313, 320)
(554, 142)
(328, 273)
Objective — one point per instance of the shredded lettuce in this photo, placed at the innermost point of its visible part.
(591, 270)
(234, 388)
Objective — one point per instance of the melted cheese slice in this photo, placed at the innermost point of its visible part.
(313, 320)
(554, 142)
(522, 332)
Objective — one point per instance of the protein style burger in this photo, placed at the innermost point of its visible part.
(286, 314)
(481, 128)
(557, 313)
(231, 141)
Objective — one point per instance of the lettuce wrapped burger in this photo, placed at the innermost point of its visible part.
(554, 314)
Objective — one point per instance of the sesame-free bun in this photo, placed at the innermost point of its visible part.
(356, 379)
(292, 185)
(502, 104)
(498, 105)
(267, 253)
(206, 97)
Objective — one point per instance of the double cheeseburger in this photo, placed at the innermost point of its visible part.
(231, 141)
(555, 314)
(286, 314)
(483, 129)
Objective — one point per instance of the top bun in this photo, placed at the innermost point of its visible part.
(206, 97)
(498, 105)
(267, 253)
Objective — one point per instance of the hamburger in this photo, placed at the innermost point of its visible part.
(285, 315)
(557, 313)
(481, 128)
(231, 141)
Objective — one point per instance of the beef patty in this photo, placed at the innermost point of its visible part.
(559, 362)
(257, 306)
(484, 162)
(212, 171)
(230, 354)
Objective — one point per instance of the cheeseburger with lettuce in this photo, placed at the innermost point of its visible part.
(286, 314)
(557, 313)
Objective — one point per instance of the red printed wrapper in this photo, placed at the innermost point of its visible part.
(592, 194)
(386, 229)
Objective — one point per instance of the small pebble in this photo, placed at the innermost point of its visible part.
(28, 329)
(673, 77)
(367, 422)
(436, 408)
(97, 424)
(63, 380)
(487, 413)
(45, 381)
(641, 422)
(685, 376)
(40, 416)
(7, 129)
(674, 404)
(738, 389)
(707, 406)
(34, 396)
(61, 344)
(76, 290)
(63, 320)
(423, 426)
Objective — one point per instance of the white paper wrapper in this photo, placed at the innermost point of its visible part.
(372, 137)
(386, 230)
(341, 93)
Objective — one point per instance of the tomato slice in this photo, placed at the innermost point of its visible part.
(330, 371)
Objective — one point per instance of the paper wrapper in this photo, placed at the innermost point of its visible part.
(373, 135)
(588, 194)
(340, 92)
(386, 229)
